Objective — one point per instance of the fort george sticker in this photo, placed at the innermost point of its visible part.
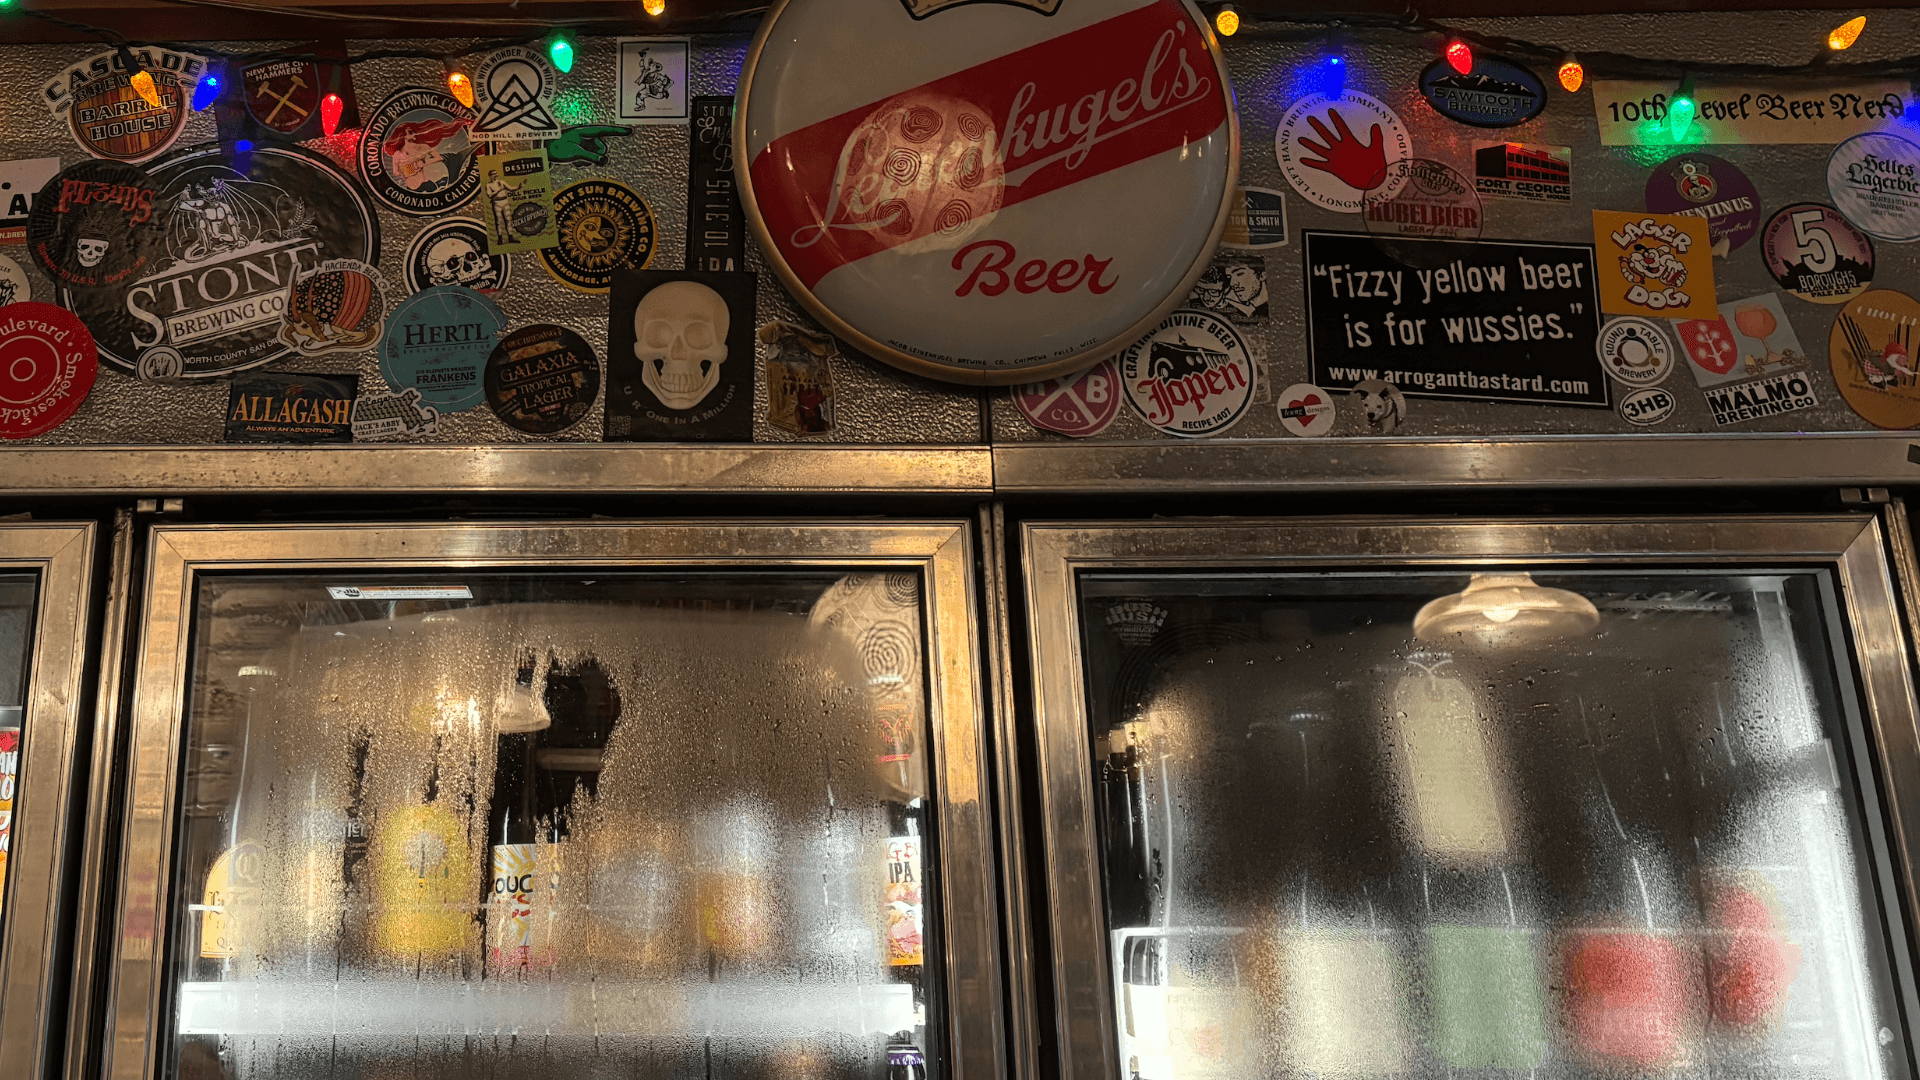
(604, 227)
(1191, 376)
(417, 155)
(109, 118)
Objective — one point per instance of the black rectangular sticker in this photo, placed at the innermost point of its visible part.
(289, 407)
(1488, 320)
(680, 363)
(716, 232)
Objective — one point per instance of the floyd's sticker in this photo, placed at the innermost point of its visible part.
(108, 116)
(382, 416)
(652, 80)
(338, 306)
(416, 154)
(1258, 222)
(1381, 405)
(1190, 376)
(47, 367)
(680, 356)
(14, 288)
(519, 201)
(799, 369)
(92, 226)
(1234, 286)
(438, 341)
(1647, 406)
(1654, 264)
(1337, 152)
(1306, 410)
(291, 407)
(20, 184)
(1080, 406)
(453, 251)
(1703, 186)
(542, 379)
(1635, 351)
(603, 228)
(1816, 254)
(1871, 352)
(1496, 93)
(513, 92)
(1874, 180)
(1525, 171)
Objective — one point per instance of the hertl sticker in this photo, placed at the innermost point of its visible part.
(1661, 265)
(1511, 170)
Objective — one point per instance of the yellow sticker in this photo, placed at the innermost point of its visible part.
(1653, 264)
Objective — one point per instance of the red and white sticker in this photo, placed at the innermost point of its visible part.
(1306, 410)
(1079, 406)
(47, 365)
(983, 194)
(1341, 154)
(1191, 376)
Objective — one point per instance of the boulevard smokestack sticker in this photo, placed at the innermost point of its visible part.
(47, 367)
(1191, 376)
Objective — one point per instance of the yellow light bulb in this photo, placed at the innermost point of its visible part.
(1844, 35)
(1572, 75)
(460, 87)
(1227, 21)
(142, 84)
(655, 8)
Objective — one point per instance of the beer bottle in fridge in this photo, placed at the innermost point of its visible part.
(512, 876)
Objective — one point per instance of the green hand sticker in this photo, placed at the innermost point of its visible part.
(584, 145)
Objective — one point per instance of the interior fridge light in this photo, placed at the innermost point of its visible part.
(399, 592)
(1498, 608)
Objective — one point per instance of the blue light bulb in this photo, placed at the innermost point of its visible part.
(205, 91)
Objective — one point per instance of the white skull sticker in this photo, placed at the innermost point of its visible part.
(91, 251)
(680, 339)
(454, 261)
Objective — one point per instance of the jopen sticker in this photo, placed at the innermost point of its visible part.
(1191, 376)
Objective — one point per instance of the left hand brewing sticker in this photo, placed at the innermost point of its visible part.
(109, 118)
(47, 365)
(227, 246)
(92, 226)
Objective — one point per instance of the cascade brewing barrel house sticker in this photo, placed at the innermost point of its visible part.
(1191, 376)
(416, 154)
(1491, 320)
(109, 119)
(20, 181)
(93, 227)
(603, 228)
(1656, 264)
(1817, 255)
(291, 407)
(1339, 153)
(453, 251)
(47, 367)
(1704, 186)
(680, 356)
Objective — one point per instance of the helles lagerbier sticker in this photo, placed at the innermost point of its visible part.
(1337, 152)
(1654, 264)
(338, 306)
(47, 367)
(1190, 376)
(1258, 222)
(1634, 351)
(1306, 410)
(1647, 406)
(1713, 189)
(1080, 406)
(1874, 180)
(1816, 254)
(1871, 351)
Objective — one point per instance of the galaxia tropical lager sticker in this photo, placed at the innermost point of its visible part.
(603, 228)
(1657, 264)
(542, 379)
(108, 117)
(416, 154)
(1191, 376)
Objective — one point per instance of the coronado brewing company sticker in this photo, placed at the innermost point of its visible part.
(416, 154)
(1338, 153)
(47, 366)
(542, 379)
(603, 227)
(1871, 351)
(1704, 186)
(1080, 405)
(438, 342)
(1191, 376)
(454, 252)
(109, 119)
(92, 226)
(1817, 255)
(1874, 180)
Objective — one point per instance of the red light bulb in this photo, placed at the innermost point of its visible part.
(1459, 57)
(330, 110)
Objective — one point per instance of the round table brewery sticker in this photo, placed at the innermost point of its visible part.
(1046, 200)
(47, 365)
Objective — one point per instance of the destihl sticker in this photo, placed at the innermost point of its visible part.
(416, 154)
(1871, 350)
(92, 226)
(1081, 405)
(1191, 376)
(109, 118)
(47, 367)
(1817, 255)
(1339, 153)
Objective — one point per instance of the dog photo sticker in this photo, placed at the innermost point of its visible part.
(453, 251)
(416, 154)
(1337, 153)
(1816, 254)
(338, 306)
(1381, 404)
(1662, 265)
(1191, 376)
(1871, 352)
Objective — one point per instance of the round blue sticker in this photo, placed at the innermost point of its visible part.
(1496, 93)
(437, 342)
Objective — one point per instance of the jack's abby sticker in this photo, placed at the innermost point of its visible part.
(680, 363)
(109, 118)
(1191, 376)
(1657, 264)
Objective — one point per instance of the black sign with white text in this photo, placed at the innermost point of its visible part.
(716, 231)
(1491, 321)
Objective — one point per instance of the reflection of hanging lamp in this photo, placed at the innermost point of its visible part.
(1500, 608)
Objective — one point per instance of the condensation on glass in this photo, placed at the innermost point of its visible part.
(16, 639)
(627, 824)
(1586, 824)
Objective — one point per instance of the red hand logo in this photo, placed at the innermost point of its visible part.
(1359, 165)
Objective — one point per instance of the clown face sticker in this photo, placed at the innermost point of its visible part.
(1661, 265)
(680, 356)
(416, 154)
(1340, 153)
(1191, 376)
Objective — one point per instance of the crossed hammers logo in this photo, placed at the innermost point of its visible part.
(283, 102)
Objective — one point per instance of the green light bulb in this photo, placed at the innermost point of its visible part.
(560, 51)
(1680, 116)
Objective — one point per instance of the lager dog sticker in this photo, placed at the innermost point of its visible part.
(1191, 377)
(453, 251)
(47, 367)
(109, 118)
(338, 306)
(417, 156)
(1654, 264)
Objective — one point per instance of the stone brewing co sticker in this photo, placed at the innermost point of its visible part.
(417, 155)
(1191, 376)
(1496, 93)
(1634, 351)
(1337, 152)
(1079, 405)
(1704, 186)
(1816, 254)
(1874, 180)
(228, 246)
(453, 251)
(47, 366)
(1258, 222)
(109, 119)
(603, 227)
(338, 306)
(14, 288)
(1653, 264)
(1525, 171)
(1646, 407)
(92, 225)
(438, 342)
(20, 182)
(1871, 352)
(513, 92)
(542, 379)
(1306, 410)
(291, 407)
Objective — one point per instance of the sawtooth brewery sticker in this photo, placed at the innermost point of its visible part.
(1496, 93)
(291, 407)
(281, 98)
(109, 118)
(1258, 222)
(453, 251)
(1703, 186)
(92, 225)
(513, 95)
(680, 356)
(1871, 352)
(542, 379)
(1659, 264)
(338, 306)
(1524, 171)
(14, 288)
(1235, 287)
(47, 367)
(1647, 406)
(1874, 180)
(1306, 410)
(652, 86)
(603, 228)
(1338, 153)
(1634, 351)
(438, 342)
(1381, 405)
(800, 396)
(417, 154)
(519, 201)
(229, 246)
(1078, 405)
(382, 416)
(1191, 376)
(20, 184)
(1817, 255)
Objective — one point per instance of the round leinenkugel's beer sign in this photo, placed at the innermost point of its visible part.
(987, 192)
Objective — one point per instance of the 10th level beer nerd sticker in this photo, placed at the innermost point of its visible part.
(47, 366)
(1191, 376)
(1338, 153)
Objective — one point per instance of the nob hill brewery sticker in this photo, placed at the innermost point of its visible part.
(680, 356)
(338, 306)
(1656, 264)
(1874, 180)
(92, 226)
(20, 182)
(1496, 93)
(289, 407)
(541, 379)
(1339, 153)
(1816, 254)
(109, 118)
(1079, 405)
(1871, 352)
(416, 153)
(438, 341)
(47, 366)
(1191, 376)
(519, 201)
(1704, 186)
(1510, 170)
(228, 247)
(514, 95)
(963, 225)
(1634, 113)
(603, 227)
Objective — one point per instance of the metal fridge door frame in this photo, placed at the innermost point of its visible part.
(61, 555)
(1054, 553)
(940, 550)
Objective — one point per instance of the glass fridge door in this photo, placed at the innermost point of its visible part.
(1547, 799)
(693, 801)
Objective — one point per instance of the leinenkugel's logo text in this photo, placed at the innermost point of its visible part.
(942, 159)
(920, 9)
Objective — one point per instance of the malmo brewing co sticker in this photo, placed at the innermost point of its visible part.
(416, 154)
(438, 341)
(20, 183)
(1653, 264)
(109, 119)
(1776, 394)
(453, 251)
(1496, 93)
(1258, 222)
(1635, 351)
(1871, 352)
(542, 379)
(514, 95)
(1338, 153)
(92, 225)
(1816, 254)
(338, 306)
(1306, 410)
(14, 288)
(1510, 170)
(1704, 186)
(1080, 405)
(1191, 376)
(603, 227)
(1647, 407)
(47, 366)
(1874, 180)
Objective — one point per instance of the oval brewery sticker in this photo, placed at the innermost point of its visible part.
(1634, 351)
(47, 365)
(603, 227)
(1647, 407)
(1191, 376)
(1496, 93)
(1079, 406)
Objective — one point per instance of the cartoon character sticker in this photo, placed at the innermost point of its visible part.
(1234, 286)
(338, 306)
(1871, 352)
(1664, 265)
(652, 85)
(1332, 166)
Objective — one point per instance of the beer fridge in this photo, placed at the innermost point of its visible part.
(668, 799)
(1526, 798)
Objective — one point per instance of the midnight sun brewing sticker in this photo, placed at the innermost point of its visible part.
(1874, 180)
(93, 227)
(417, 155)
(438, 341)
(513, 91)
(1704, 186)
(109, 118)
(1657, 264)
(1258, 222)
(799, 370)
(20, 182)
(291, 407)
(542, 379)
(1306, 410)
(1336, 152)
(1496, 93)
(518, 195)
(47, 366)
(1511, 170)
(453, 251)
(1190, 376)
(1078, 405)
(1816, 254)
(338, 306)
(680, 356)
(603, 227)
(1871, 352)
(652, 86)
